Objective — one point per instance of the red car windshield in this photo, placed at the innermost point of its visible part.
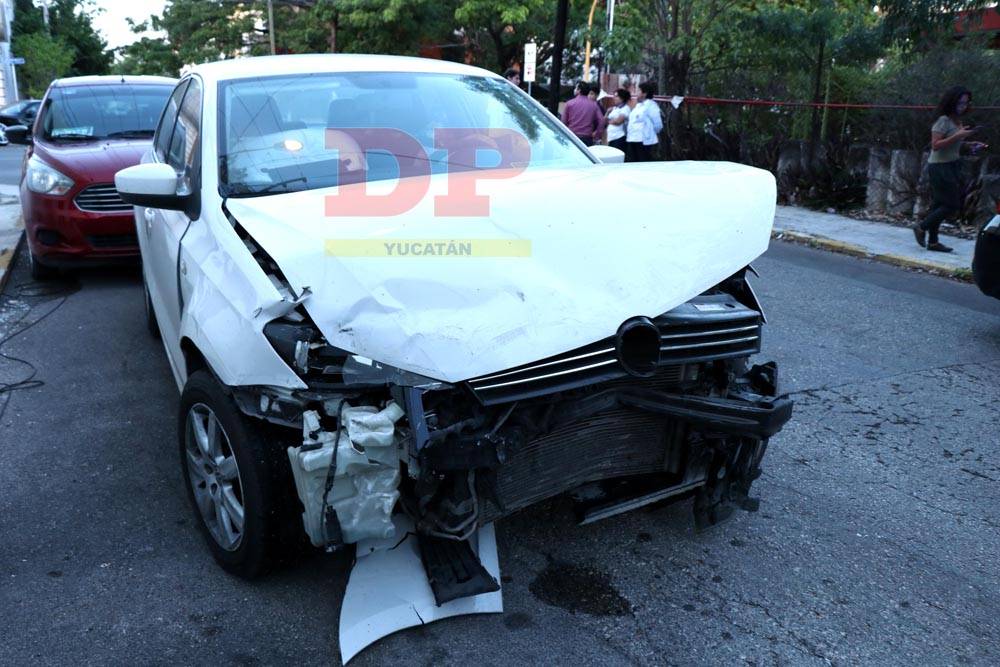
(103, 111)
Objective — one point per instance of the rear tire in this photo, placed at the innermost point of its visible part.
(240, 487)
(39, 271)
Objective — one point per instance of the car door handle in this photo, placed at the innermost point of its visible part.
(148, 214)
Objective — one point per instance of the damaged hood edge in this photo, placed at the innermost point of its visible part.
(588, 266)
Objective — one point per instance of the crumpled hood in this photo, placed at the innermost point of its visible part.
(600, 245)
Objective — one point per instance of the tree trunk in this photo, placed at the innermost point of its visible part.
(497, 37)
(558, 43)
(676, 67)
(675, 80)
(333, 35)
(817, 98)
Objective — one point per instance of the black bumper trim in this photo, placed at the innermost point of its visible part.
(740, 413)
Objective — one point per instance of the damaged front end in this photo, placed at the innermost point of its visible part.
(666, 408)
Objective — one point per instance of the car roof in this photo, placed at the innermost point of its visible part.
(241, 68)
(111, 80)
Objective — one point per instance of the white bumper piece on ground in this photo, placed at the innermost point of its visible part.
(388, 589)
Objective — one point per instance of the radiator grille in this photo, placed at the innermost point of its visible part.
(586, 365)
(706, 328)
(615, 443)
(101, 198)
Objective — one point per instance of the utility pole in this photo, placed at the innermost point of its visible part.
(270, 24)
(558, 43)
(586, 54)
(301, 4)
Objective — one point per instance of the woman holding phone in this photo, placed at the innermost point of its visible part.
(944, 168)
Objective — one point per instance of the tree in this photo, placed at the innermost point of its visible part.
(70, 34)
(148, 56)
(675, 33)
(69, 20)
(505, 26)
(400, 27)
(27, 18)
(809, 35)
(45, 58)
(919, 25)
(200, 31)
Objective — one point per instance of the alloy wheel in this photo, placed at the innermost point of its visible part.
(214, 476)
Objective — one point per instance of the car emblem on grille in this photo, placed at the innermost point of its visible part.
(638, 346)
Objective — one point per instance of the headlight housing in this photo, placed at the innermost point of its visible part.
(46, 180)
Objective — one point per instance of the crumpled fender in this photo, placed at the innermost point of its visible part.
(228, 300)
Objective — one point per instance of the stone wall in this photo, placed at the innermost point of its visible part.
(896, 180)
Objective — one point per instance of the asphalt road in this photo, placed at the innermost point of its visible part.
(10, 164)
(876, 543)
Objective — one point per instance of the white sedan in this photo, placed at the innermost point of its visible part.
(402, 301)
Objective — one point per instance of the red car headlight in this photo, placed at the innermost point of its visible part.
(46, 180)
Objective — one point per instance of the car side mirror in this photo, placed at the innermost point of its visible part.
(19, 134)
(154, 185)
(607, 154)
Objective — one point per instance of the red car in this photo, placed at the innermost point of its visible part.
(87, 128)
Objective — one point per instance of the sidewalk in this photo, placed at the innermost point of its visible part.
(10, 228)
(874, 240)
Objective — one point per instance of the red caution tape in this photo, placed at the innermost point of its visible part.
(710, 101)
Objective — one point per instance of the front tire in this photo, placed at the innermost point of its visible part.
(240, 486)
(40, 272)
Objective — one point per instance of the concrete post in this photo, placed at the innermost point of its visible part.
(789, 167)
(904, 172)
(878, 180)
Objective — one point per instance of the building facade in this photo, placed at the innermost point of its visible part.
(8, 77)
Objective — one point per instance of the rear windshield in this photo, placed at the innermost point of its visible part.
(103, 111)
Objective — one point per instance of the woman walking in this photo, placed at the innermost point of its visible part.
(644, 125)
(617, 118)
(944, 167)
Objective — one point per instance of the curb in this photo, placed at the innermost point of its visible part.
(5, 271)
(821, 243)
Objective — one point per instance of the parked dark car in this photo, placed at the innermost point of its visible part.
(986, 259)
(87, 129)
(20, 113)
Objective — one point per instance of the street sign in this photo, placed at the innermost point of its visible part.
(15, 61)
(530, 51)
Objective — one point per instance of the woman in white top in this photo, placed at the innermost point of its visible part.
(617, 119)
(644, 124)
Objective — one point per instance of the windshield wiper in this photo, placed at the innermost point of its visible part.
(71, 137)
(239, 189)
(130, 133)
